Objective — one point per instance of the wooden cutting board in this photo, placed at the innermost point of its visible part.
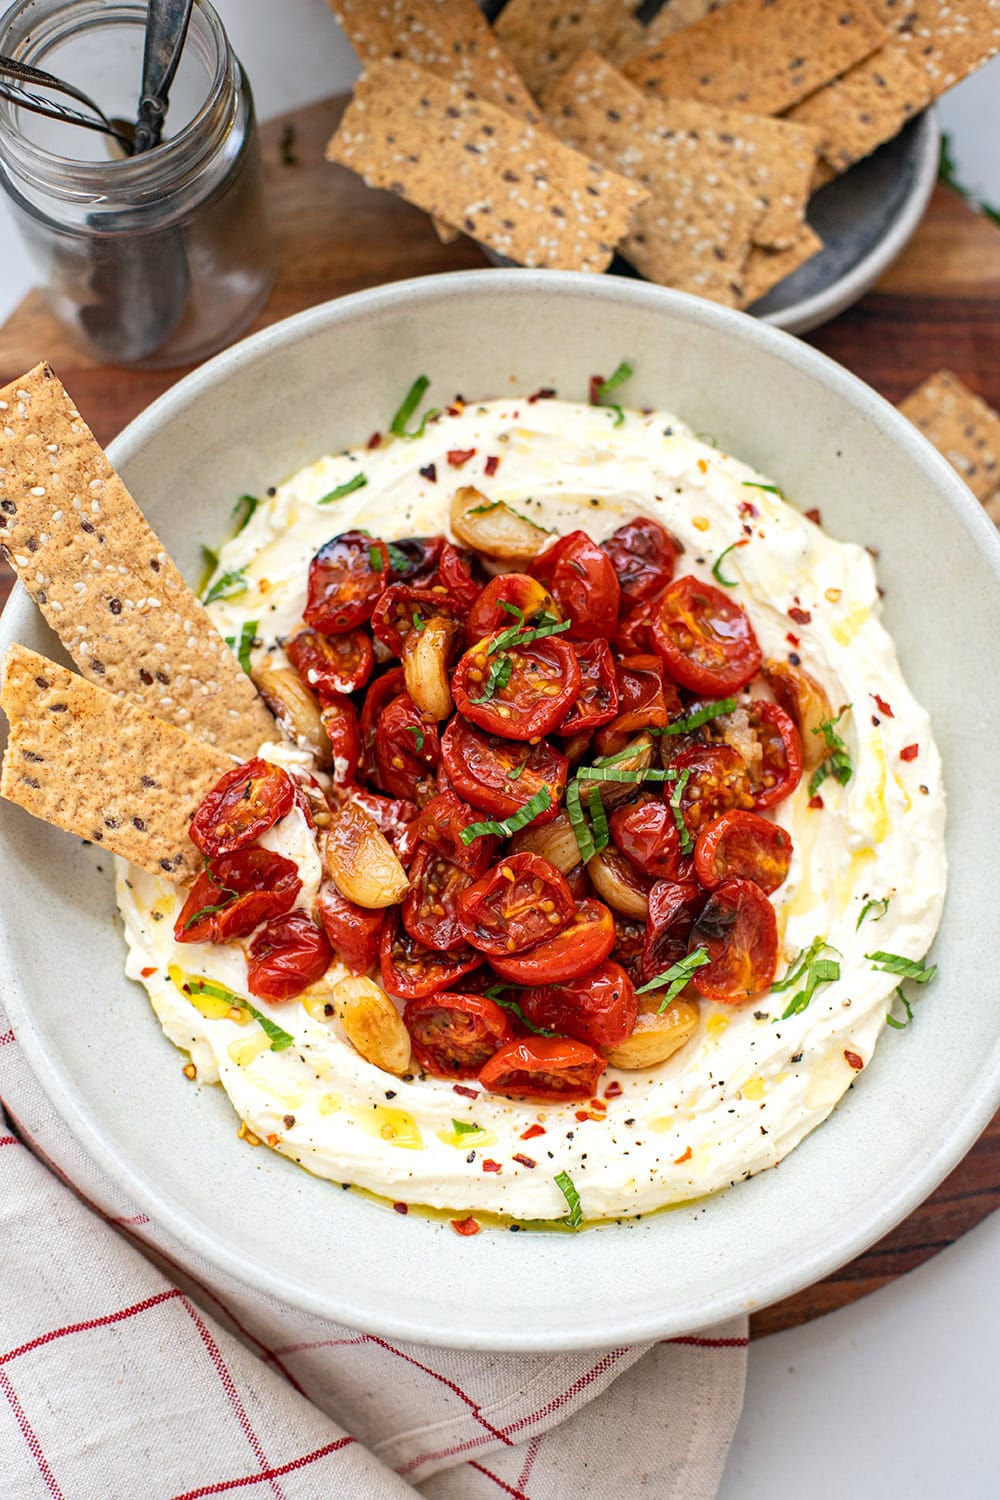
(939, 305)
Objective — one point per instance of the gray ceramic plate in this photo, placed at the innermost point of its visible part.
(313, 383)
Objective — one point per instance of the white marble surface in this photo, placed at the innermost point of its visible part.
(898, 1394)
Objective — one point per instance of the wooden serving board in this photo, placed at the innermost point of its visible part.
(938, 305)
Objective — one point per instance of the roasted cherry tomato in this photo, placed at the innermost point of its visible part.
(673, 906)
(352, 931)
(457, 573)
(738, 930)
(441, 824)
(647, 833)
(500, 776)
(745, 846)
(645, 701)
(429, 911)
(634, 635)
(581, 579)
(235, 893)
(643, 554)
(378, 697)
(347, 577)
(243, 804)
(583, 943)
(579, 882)
(403, 608)
(286, 957)
(597, 701)
(340, 720)
(519, 590)
(414, 560)
(410, 971)
(454, 1035)
(395, 817)
(407, 750)
(599, 1008)
(520, 902)
(543, 1067)
(630, 935)
(332, 665)
(705, 639)
(781, 753)
(535, 689)
(716, 781)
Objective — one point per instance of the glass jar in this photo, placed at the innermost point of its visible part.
(152, 260)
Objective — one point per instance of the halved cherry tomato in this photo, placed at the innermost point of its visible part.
(243, 804)
(705, 639)
(378, 697)
(645, 701)
(235, 893)
(352, 931)
(538, 685)
(286, 957)
(738, 930)
(635, 627)
(457, 572)
(332, 665)
(429, 911)
(597, 701)
(454, 1035)
(673, 906)
(403, 608)
(347, 577)
(630, 935)
(599, 1008)
(407, 749)
(543, 1067)
(414, 559)
(340, 720)
(395, 817)
(583, 943)
(781, 745)
(643, 555)
(410, 971)
(499, 775)
(525, 593)
(520, 902)
(743, 845)
(582, 581)
(717, 780)
(441, 824)
(647, 833)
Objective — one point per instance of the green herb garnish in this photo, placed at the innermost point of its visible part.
(243, 510)
(498, 996)
(564, 1183)
(578, 823)
(837, 762)
(484, 510)
(907, 968)
(508, 826)
(465, 1127)
(618, 773)
(347, 488)
(497, 678)
(809, 966)
(727, 583)
(412, 400)
(515, 772)
(598, 818)
(418, 620)
(375, 559)
(279, 1039)
(227, 587)
(398, 560)
(418, 735)
(674, 803)
(890, 1019)
(606, 387)
(772, 489)
(521, 634)
(248, 634)
(882, 901)
(676, 977)
(210, 911)
(209, 563)
(700, 716)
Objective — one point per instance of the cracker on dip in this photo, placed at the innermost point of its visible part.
(760, 55)
(102, 578)
(963, 428)
(545, 37)
(511, 186)
(92, 764)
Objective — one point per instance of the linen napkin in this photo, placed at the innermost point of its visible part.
(132, 1370)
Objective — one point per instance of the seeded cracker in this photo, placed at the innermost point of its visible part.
(90, 763)
(765, 268)
(102, 578)
(963, 429)
(760, 55)
(869, 105)
(947, 38)
(507, 184)
(681, 142)
(675, 15)
(545, 37)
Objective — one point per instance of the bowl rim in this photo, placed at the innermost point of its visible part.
(789, 1277)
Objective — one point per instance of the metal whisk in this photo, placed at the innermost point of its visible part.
(14, 76)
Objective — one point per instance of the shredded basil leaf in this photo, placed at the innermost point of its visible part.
(676, 977)
(248, 634)
(674, 803)
(908, 968)
(227, 587)
(598, 819)
(375, 559)
(412, 400)
(564, 1183)
(347, 488)
(497, 678)
(398, 560)
(727, 583)
(497, 995)
(243, 510)
(891, 1019)
(483, 510)
(772, 489)
(578, 823)
(279, 1039)
(606, 387)
(700, 716)
(809, 966)
(418, 735)
(521, 635)
(617, 773)
(466, 1127)
(882, 901)
(509, 826)
(418, 620)
(837, 762)
(209, 563)
(515, 772)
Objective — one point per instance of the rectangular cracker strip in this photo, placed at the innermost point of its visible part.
(545, 37)
(948, 39)
(962, 427)
(869, 105)
(765, 268)
(94, 765)
(760, 55)
(509, 185)
(674, 15)
(102, 578)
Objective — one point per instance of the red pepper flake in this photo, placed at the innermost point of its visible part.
(375, 441)
(545, 393)
(459, 456)
(814, 516)
(430, 473)
(613, 1089)
(459, 1088)
(883, 707)
(532, 1131)
(526, 1161)
(792, 640)
(909, 752)
(816, 802)
(686, 1157)
(594, 393)
(583, 1114)
(466, 1226)
(800, 616)
(492, 464)
(747, 509)
(491, 1166)
(401, 1208)
(853, 1060)
(146, 972)
(598, 1104)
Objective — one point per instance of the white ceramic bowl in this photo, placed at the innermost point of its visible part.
(319, 381)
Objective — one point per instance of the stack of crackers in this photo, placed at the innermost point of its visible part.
(569, 130)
